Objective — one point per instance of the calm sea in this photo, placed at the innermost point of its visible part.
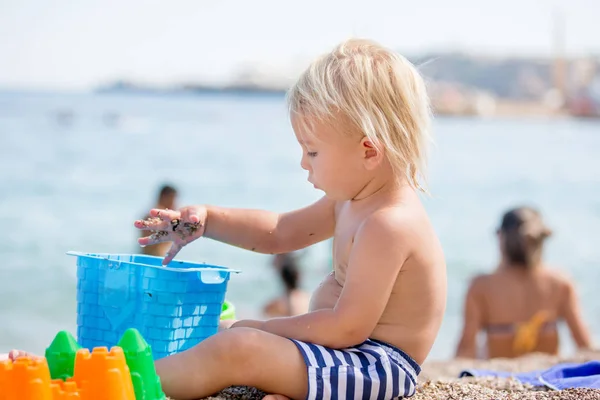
(77, 169)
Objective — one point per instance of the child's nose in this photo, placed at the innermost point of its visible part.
(304, 163)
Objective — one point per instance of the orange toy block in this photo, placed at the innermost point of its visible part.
(99, 375)
(25, 379)
(62, 390)
(103, 375)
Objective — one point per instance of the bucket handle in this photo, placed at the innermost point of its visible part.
(166, 267)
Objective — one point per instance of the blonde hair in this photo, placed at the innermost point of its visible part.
(381, 95)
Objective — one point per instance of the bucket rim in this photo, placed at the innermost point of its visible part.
(99, 256)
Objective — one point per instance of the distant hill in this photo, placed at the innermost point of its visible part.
(507, 78)
(511, 78)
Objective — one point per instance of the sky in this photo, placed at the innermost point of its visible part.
(80, 44)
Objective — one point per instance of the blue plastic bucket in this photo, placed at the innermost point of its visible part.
(174, 307)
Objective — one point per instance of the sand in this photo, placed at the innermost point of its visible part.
(438, 380)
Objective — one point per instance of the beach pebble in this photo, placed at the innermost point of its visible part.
(438, 381)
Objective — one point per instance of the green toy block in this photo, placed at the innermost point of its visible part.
(138, 354)
(61, 355)
(227, 311)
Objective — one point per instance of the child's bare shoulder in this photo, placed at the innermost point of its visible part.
(394, 220)
(396, 224)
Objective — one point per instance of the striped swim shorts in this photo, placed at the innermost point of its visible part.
(371, 370)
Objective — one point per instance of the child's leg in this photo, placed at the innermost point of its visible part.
(238, 356)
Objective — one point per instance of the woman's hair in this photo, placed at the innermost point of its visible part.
(374, 92)
(523, 232)
(289, 272)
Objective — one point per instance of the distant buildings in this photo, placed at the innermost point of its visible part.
(458, 84)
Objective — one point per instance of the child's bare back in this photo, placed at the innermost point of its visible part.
(414, 311)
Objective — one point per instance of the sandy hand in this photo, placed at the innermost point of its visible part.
(180, 227)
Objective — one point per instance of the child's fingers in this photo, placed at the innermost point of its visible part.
(156, 237)
(165, 215)
(175, 248)
(159, 220)
(151, 224)
(189, 215)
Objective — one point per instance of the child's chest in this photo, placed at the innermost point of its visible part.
(343, 240)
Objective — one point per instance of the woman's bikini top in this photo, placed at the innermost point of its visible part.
(526, 333)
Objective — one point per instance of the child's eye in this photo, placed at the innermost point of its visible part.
(312, 154)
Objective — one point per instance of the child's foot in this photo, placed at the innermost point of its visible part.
(15, 354)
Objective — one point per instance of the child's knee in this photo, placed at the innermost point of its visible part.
(242, 344)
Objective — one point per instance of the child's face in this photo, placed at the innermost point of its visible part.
(335, 161)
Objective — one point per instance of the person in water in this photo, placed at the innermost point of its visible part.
(361, 116)
(166, 199)
(518, 305)
(294, 300)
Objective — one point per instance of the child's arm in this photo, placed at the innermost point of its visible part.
(467, 346)
(374, 264)
(272, 233)
(571, 313)
(255, 230)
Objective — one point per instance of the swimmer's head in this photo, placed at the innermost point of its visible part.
(522, 233)
(167, 196)
(290, 276)
(370, 104)
(287, 266)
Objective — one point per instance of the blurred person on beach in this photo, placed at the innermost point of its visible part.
(361, 116)
(294, 300)
(167, 200)
(519, 305)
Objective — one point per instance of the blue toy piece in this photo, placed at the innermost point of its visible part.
(174, 307)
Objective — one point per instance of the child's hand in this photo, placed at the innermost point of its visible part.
(180, 227)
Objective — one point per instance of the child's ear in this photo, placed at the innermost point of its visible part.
(372, 156)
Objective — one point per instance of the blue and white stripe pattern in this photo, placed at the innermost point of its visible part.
(372, 370)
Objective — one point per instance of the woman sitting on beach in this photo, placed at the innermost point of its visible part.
(294, 301)
(520, 303)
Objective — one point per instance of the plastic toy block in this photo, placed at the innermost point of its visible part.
(61, 355)
(146, 384)
(227, 311)
(103, 375)
(62, 390)
(5, 370)
(25, 379)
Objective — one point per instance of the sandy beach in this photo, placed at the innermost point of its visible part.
(439, 380)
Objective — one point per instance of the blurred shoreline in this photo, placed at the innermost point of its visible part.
(459, 84)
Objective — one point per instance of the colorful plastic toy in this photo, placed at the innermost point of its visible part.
(61, 355)
(228, 311)
(138, 355)
(103, 373)
(174, 307)
(126, 372)
(25, 379)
